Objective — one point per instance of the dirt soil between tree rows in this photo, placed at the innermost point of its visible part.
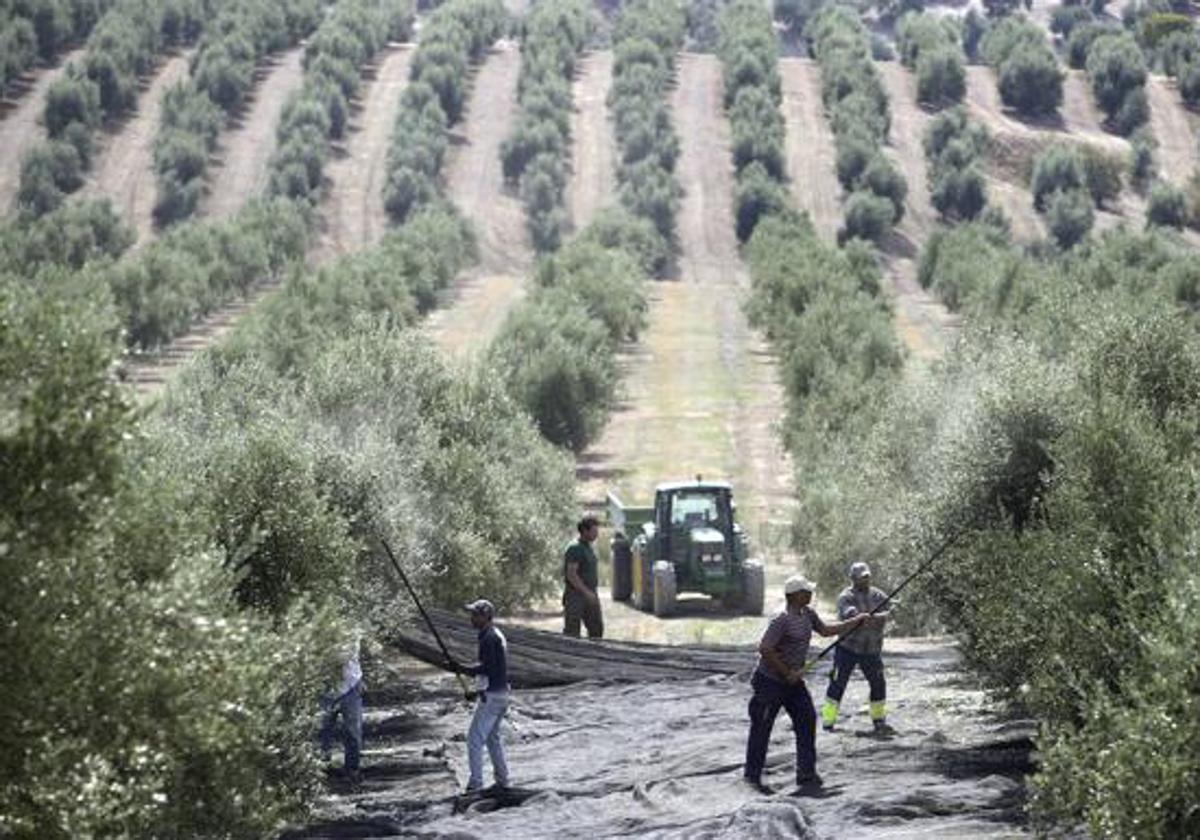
(239, 167)
(353, 214)
(593, 149)
(124, 170)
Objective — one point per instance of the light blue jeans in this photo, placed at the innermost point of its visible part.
(485, 729)
(350, 707)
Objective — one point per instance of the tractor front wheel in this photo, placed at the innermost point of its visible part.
(754, 587)
(664, 588)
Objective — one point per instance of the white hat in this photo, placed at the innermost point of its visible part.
(481, 607)
(860, 570)
(798, 583)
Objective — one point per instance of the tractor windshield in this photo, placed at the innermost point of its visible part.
(697, 509)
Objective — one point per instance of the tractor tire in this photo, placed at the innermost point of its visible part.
(664, 589)
(754, 587)
(622, 569)
(644, 598)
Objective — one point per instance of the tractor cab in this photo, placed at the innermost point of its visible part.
(695, 521)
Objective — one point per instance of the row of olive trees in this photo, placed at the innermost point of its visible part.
(222, 72)
(955, 149)
(857, 107)
(1067, 181)
(201, 265)
(536, 154)
(646, 37)
(556, 351)
(750, 68)
(122, 50)
(453, 38)
(1027, 71)
(38, 30)
(1060, 443)
(74, 235)
(445, 463)
(334, 60)
(931, 47)
(212, 558)
(1116, 70)
(174, 712)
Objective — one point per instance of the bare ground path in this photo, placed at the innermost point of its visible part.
(21, 126)
(475, 183)
(592, 185)
(124, 169)
(354, 214)
(923, 323)
(811, 155)
(239, 170)
(1173, 126)
(701, 390)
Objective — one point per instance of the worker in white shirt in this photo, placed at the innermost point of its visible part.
(346, 700)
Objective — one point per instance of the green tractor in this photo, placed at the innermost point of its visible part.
(687, 541)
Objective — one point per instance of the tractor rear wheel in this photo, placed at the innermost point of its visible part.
(754, 587)
(664, 588)
(622, 569)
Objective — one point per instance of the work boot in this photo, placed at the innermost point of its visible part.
(810, 781)
(758, 785)
(882, 727)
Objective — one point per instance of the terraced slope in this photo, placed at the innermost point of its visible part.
(240, 166)
(701, 390)
(475, 183)
(354, 215)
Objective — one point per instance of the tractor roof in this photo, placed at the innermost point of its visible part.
(668, 486)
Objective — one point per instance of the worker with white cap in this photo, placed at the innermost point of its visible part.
(778, 682)
(863, 650)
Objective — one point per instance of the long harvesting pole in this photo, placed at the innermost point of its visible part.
(428, 621)
(933, 558)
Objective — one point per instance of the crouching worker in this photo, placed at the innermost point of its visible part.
(778, 682)
(863, 649)
(491, 675)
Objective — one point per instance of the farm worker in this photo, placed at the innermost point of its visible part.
(345, 699)
(580, 578)
(778, 682)
(863, 649)
(491, 679)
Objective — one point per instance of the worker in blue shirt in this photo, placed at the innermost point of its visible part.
(491, 676)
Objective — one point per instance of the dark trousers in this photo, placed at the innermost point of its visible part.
(577, 610)
(769, 697)
(844, 663)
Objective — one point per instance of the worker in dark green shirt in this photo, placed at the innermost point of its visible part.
(580, 579)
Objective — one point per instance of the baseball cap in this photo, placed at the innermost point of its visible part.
(481, 607)
(798, 583)
(858, 570)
